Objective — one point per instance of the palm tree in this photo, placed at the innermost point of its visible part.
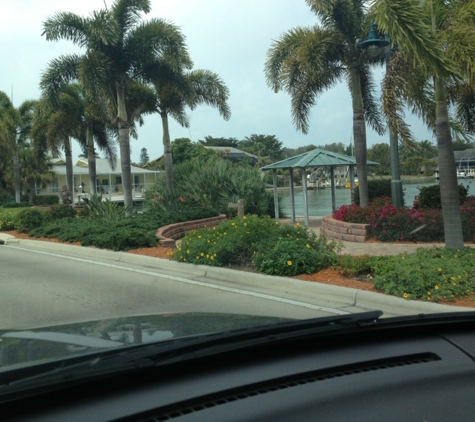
(436, 44)
(119, 50)
(15, 125)
(184, 89)
(308, 61)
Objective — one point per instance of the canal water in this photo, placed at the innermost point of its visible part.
(320, 200)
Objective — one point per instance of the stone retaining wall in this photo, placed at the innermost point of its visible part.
(169, 234)
(340, 230)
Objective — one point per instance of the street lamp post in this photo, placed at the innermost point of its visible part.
(373, 40)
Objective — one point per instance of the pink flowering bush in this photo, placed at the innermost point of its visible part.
(390, 223)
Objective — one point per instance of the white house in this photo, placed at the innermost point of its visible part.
(108, 179)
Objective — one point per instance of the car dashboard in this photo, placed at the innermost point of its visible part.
(395, 373)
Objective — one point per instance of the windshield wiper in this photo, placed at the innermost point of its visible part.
(175, 350)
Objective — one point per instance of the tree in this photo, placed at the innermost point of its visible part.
(144, 158)
(380, 154)
(15, 125)
(209, 141)
(436, 48)
(120, 50)
(264, 146)
(308, 61)
(184, 89)
(183, 150)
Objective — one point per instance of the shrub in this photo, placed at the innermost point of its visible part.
(7, 220)
(28, 219)
(429, 196)
(376, 189)
(106, 210)
(46, 200)
(428, 274)
(59, 211)
(214, 183)
(16, 205)
(261, 243)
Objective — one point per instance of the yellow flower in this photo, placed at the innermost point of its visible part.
(459, 276)
(233, 223)
(405, 295)
(245, 224)
(277, 222)
(244, 217)
(439, 269)
(202, 254)
(197, 257)
(199, 237)
(428, 298)
(211, 257)
(428, 293)
(187, 251)
(184, 259)
(436, 287)
(307, 246)
(289, 262)
(455, 256)
(207, 255)
(298, 224)
(403, 257)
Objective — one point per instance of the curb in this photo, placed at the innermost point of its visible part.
(331, 296)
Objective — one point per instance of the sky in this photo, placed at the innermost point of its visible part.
(228, 37)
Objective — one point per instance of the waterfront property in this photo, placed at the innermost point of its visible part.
(108, 179)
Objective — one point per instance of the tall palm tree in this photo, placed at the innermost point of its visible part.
(119, 49)
(437, 50)
(15, 125)
(305, 62)
(187, 89)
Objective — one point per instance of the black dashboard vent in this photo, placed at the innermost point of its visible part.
(228, 396)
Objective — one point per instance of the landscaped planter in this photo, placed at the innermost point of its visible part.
(169, 234)
(340, 230)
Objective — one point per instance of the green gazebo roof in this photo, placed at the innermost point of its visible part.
(315, 158)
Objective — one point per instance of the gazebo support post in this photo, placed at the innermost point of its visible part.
(305, 196)
(276, 197)
(332, 186)
(292, 195)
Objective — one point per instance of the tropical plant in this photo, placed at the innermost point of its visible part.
(187, 89)
(120, 51)
(436, 57)
(15, 125)
(308, 61)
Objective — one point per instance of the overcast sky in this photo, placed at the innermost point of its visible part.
(228, 37)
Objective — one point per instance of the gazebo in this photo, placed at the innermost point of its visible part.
(312, 159)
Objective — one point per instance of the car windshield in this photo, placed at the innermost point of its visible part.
(166, 172)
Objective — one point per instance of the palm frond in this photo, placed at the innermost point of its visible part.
(157, 40)
(371, 108)
(127, 12)
(59, 72)
(411, 28)
(68, 26)
(209, 89)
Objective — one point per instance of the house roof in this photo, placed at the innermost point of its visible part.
(232, 152)
(315, 158)
(468, 153)
(102, 167)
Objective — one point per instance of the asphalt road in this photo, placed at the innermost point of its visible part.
(40, 288)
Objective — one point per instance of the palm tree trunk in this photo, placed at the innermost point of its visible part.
(449, 190)
(91, 160)
(16, 174)
(167, 152)
(69, 166)
(359, 136)
(124, 145)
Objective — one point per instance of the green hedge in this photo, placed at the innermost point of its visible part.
(429, 196)
(376, 189)
(46, 199)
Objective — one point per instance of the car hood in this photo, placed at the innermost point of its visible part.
(19, 347)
